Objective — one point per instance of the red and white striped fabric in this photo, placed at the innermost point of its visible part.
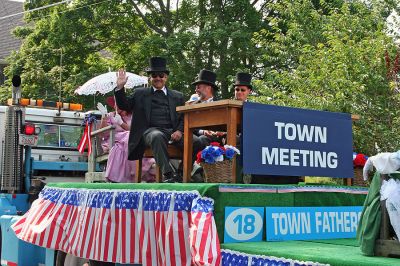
(124, 226)
(85, 140)
(8, 263)
(204, 240)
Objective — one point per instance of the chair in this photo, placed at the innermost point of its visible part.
(173, 152)
(98, 156)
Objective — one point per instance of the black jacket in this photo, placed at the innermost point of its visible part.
(139, 103)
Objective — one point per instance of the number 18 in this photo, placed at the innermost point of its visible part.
(245, 224)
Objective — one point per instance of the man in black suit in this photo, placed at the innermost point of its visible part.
(205, 88)
(155, 121)
(242, 86)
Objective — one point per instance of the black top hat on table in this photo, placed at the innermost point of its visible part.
(206, 77)
(157, 64)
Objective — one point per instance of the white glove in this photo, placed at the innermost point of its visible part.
(102, 109)
(118, 119)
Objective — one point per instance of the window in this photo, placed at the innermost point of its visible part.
(70, 136)
(59, 136)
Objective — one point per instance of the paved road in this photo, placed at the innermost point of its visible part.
(62, 179)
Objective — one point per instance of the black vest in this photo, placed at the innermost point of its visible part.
(160, 116)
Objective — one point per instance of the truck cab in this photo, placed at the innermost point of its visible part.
(55, 155)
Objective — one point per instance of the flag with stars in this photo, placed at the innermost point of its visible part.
(124, 226)
(234, 258)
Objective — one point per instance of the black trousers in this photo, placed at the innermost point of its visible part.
(157, 139)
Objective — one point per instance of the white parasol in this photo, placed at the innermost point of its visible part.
(107, 82)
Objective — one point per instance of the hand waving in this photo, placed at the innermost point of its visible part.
(122, 78)
(102, 109)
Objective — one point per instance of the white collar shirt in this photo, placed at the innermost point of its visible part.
(208, 100)
(163, 89)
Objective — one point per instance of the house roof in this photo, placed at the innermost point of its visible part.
(8, 42)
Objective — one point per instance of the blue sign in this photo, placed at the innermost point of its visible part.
(296, 142)
(306, 223)
(243, 224)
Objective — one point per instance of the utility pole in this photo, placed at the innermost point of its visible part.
(61, 58)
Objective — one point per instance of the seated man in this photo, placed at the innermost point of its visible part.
(156, 121)
(243, 89)
(205, 90)
(242, 86)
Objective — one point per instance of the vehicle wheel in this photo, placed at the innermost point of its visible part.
(65, 259)
(1, 237)
(100, 263)
(60, 258)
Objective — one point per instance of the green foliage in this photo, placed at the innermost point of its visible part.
(94, 36)
(325, 55)
(334, 61)
(61, 49)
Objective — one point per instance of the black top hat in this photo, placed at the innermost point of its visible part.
(158, 64)
(243, 79)
(206, 77)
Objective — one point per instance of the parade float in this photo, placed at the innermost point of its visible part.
(222, 223)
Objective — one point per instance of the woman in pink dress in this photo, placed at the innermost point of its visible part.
(119, 169)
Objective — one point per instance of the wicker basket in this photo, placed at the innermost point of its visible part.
(358, 179)
(219, 172)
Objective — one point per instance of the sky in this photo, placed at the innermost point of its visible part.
(394, 23)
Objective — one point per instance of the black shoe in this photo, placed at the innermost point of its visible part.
(172, 178)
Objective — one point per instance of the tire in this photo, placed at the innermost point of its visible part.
(1, 238)
(100, 263)
(65, 259)
(60, 258)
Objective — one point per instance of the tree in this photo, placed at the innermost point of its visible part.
(326, 55)
(64, 46)
(97, 35)
(338, 66)
(216, 35)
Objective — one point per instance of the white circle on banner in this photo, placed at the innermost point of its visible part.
(243, 224)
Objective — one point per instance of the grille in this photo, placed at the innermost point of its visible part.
(11, 171)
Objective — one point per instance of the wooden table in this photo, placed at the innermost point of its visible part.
(223, 115)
